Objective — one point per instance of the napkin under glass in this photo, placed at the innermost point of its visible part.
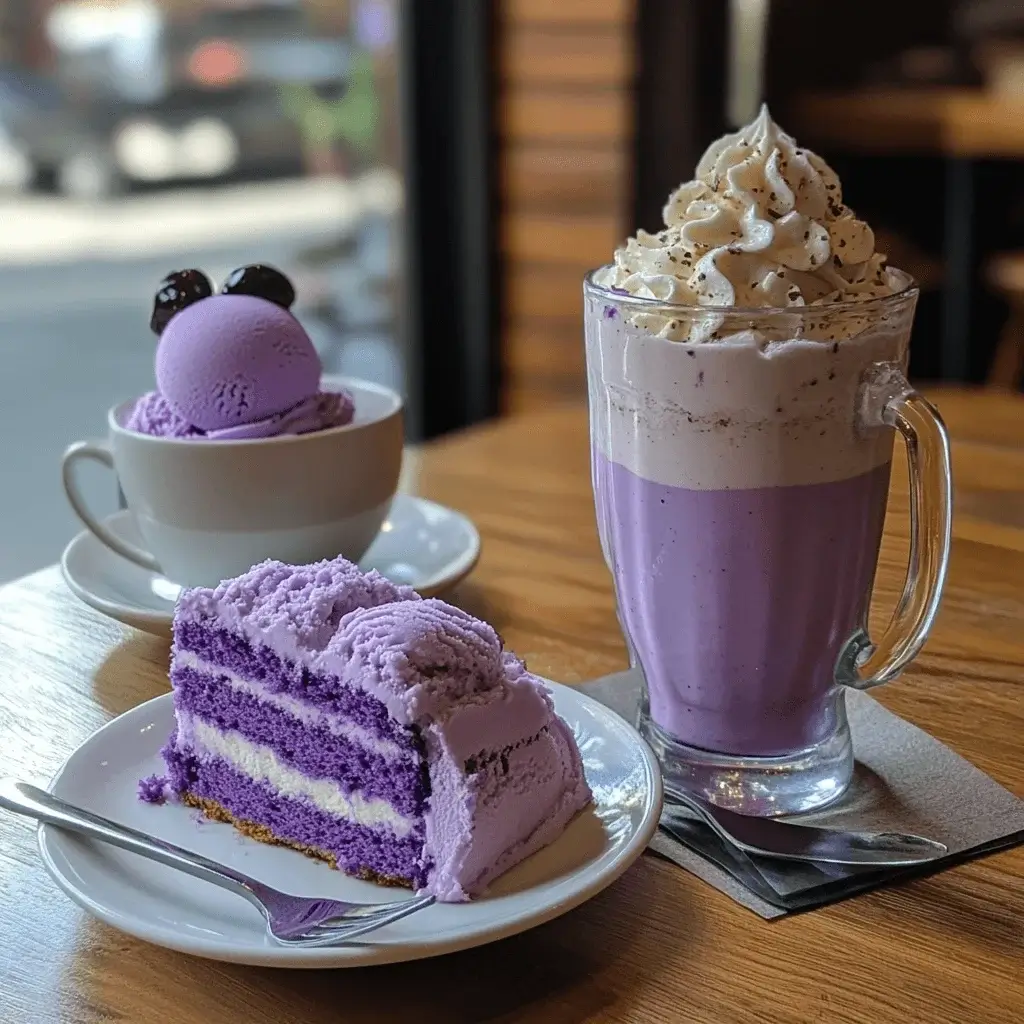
(905, 780)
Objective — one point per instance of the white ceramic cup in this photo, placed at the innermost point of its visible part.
(209, 510)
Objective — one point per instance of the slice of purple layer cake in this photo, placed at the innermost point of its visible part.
(334, 712)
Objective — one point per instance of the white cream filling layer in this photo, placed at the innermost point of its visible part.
(335, 724)
(263, 765)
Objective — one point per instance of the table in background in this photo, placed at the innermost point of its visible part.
(659, 945)
(961, 125)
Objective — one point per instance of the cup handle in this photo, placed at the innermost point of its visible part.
(887, 399)
(98, 451)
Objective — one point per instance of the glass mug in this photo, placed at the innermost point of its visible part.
(741, 488)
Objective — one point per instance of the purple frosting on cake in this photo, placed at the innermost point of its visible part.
(360, 629)
(292, 608)
(440, 755)
(429, 653)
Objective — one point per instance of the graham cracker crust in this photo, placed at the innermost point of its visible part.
(262, 834)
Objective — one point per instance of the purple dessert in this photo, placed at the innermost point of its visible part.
(152, 414)
(334, 712)
(155, 789)
(234, 366)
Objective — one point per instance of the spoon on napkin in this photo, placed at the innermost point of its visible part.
(788, 840)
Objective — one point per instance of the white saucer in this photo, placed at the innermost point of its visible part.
(172, 909)
(422, 544)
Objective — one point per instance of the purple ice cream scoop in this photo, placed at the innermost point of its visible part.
(318, 412)
(229, 360)
(152, 414)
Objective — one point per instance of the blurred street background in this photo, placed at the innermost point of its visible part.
(139, 137)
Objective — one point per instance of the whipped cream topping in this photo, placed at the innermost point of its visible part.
(762, 225)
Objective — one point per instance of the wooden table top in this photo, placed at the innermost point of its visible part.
(659, 945)
(949, 122)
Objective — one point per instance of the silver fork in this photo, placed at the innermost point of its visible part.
(291, 920)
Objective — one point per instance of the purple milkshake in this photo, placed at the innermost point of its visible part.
(745, 374)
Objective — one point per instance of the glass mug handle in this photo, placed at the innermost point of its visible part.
(887, 399)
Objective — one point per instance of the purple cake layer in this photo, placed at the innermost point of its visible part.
(498, 774)
(228, 650)
(313, 750)
(354, 631)
(356, 847)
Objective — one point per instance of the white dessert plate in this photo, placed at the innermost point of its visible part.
(172, 909)
(423, 544)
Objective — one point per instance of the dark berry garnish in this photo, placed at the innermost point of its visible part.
(262, 281)
(176, 291)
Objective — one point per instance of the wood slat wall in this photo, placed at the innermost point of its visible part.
(564, 121)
